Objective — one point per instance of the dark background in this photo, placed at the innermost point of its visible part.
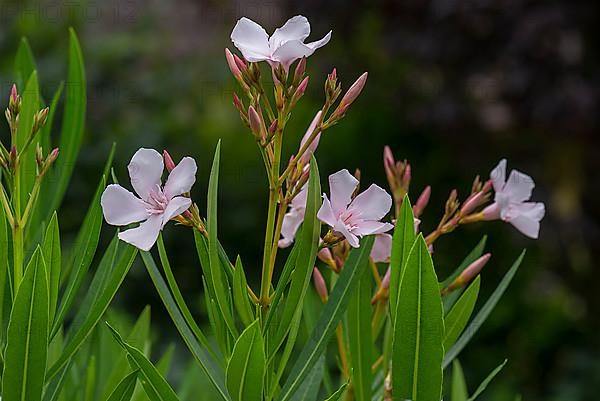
(453, 87)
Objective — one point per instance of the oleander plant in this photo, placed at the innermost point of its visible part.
(349, 305)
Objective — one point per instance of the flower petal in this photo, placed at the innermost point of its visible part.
(251, 39)
(372, 204)
(325, 213)
(291, 51)
(305, 158)
(296, 28)
(145, 171)
(352, 239)
(121, 207)
(320, 43)
(341, 185)
(367, 227)
(181, 178)
(145, 235)
(176, 206)
(291, 222)
(519, 186)
(498, 175)
(382, 248)
(526, 217)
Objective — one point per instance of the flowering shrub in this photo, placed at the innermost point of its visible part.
(356, 274)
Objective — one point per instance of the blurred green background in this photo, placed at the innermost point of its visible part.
(453, 87)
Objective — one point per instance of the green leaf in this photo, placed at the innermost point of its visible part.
(487, 381)
(218, 283)
(204, 357)
(417, 349)
(402, 242)
(338, 394)
(309, 390)
(246, 368)
(308, 244)
(459, 315)
(240, 294)
(120, 367)
(111, 272)
(483, 313)
(155, 385)
(4, 268)
(459, 386)
(124, 389)
(282, 283)
(24, 62)
(73, 124)
(84, 249)
(330, 317)
(27, 338)
(52, 257)
(360, 341)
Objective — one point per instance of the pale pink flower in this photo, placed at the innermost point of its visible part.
(293, 218)
(156, 204)
(382, 247)
(354, 218)
(510, 201)
(285, 45)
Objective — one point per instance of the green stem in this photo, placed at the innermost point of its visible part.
(17, 229)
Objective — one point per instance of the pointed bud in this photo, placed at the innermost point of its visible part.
(238, 103)
(326, 257)
(235, 70)
(407, 177)
(40, 119)
(39, 157)
(13, 93)
(469, 273)
(273, 127)
(169, 164)
(241, 64)
(300, 69)
(333, 75)
(422, 201)
(279, 98)
(14, 102)
(320, 284)
(355, 90)
(300, 90)
(255, 123)
(472, 203)
(53, 155)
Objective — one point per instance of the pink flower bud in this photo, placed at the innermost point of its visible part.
(407, 175)
(241, 64)
(54, 154)
(385, 282)
(273, 127)
(169, 164)
(255, 122)
(232, 65)
(422, 201)
(301, 89)
(473, 269)
(326, 257)
(13, 93)
(355, 90)
(300, 69)
(320, 285)
(472, 203)
(333, 75)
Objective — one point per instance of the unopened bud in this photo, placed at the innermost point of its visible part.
(235, 70)
(354, 90)
(13, 155)
(407, 176)
(13, 93)
(422, 202)
(273, 127)
(279, 98)
(320, 285)
(300, 90)
(451, 203)
(255, 123)
(40, 119)
(14, 102)
(39, 157)
(169, 164)
(300, 69)
(326, 257)
(241, 64)
(469, 273)
(472, 203)
(385, 282)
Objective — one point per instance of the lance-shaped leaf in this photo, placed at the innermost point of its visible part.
(402, 241)
(487, 381)
(221, 291)
(240, 294)
(483, 313)
(5, 281)
(246, 368)
(24, 62)
(155, 386)
(124, 390)
(309, 390)
(360, 339)
(338, 393)
(52, 257)
(27, 337)
(459, 386)
(330, 317)
(459, 315)
(417, 350)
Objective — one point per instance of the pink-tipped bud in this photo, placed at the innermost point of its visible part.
(241, 64)
(333, 75)
(472, 203)
(273, 127)
(407, 175)
(473, 270)
(487, 187)
(422, 202)
(169, 164)
(326, 257)
(355, 90)
(388, 158)
(301, 89)
(255, 123)
(320, 285)
(238, 103)
(235, 70)
(13, 93)
(300, 69)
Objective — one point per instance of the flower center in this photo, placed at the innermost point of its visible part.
(157, 201)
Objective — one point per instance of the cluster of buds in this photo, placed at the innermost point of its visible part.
(335, 251)
(44, 163)
(398, 175)
(13, 109)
